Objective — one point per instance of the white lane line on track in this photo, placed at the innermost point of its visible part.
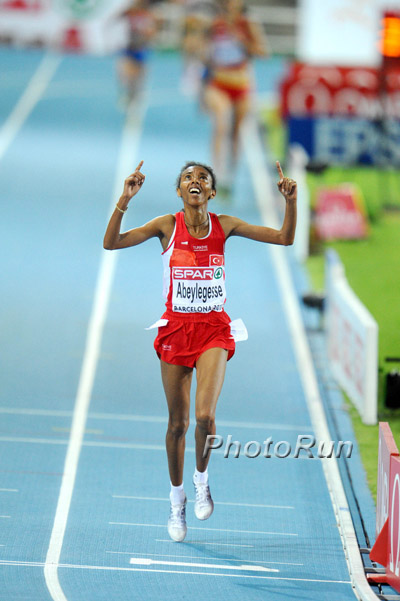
(6, 517)
(187, 573)
(35, 412)
(27, 102)
(264, 191)
(198, 542)
(165, 499)
(140, 447)
(9, 490)
(156, 419)
(281, 563)
(145, 561)
(209, 529)
(20, 439)
(125, 165)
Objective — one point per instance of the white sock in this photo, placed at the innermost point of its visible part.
(201, 477)
(177, 494)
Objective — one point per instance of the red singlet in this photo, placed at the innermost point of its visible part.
(230, 70)
(194, 289)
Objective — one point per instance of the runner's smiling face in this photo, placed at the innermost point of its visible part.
(196, 186)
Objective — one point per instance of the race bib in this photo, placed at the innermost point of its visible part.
(227, 51)
(198, 289)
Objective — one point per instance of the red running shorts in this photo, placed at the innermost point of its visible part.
(234, 94)
(182, 342)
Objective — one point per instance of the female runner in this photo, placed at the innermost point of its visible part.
(142, 28)
(232, 40)
(194, 331)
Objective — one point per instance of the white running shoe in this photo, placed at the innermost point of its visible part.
(204, 505)
(177, 522)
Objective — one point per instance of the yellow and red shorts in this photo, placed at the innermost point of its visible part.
(236, 83)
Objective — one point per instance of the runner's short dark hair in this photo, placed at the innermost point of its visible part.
(195, 164)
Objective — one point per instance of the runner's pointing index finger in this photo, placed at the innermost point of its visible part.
(278, 166)
(138, 168)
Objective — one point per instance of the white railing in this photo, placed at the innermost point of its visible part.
(352, 339)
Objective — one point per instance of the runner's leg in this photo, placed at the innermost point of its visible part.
(210, 372)
(240, 111)
(131, 74)
(219, 105)
(176, 381)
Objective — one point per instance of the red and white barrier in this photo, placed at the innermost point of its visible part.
(386, 549)
(387, 447)
(393, 564)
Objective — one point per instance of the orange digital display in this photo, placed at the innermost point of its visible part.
(390, 35)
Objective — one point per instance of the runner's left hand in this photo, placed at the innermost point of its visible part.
(286, 186)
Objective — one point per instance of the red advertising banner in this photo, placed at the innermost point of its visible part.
(343, 115)
(28, 5)
(387, 447)
(393, 565)
(312, 90)
(72, 25)
(384, 527)
(340, 213)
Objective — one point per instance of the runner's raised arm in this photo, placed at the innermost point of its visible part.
(233, 226)
(113, 239)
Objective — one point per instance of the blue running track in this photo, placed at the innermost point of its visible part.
(273, 534)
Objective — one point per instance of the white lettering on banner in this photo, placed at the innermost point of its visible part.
(394, 527)
(358, 370)
(307, 95)
(380, 501)
(192, 274)
(383, 492)
(317, 91)
(347, 140)
(198, 289)
(347, 223)
(344, 139)
(349, 101)
(346, 347)
(383, 497)
(362, 78)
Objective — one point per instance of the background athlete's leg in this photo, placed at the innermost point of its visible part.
(219, 105)
(240, 111)
(210, 372)
(176, 381)
(131, 75)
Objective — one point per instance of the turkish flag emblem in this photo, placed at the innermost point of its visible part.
(216, 260)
